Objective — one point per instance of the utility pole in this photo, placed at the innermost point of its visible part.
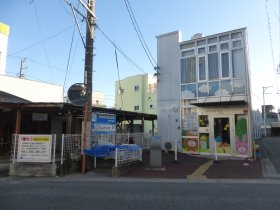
(264, 109)
(88, 76)
(21, 75)
(89, 62)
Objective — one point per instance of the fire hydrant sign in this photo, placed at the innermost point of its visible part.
(34, 148)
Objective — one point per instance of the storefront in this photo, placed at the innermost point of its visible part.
(222, 131)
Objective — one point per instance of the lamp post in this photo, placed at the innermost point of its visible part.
(264, 110)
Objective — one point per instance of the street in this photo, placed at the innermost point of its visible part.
(121, 193)
(272, 149)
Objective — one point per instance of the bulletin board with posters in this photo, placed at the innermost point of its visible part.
(34, 148)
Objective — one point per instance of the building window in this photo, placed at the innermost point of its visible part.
(239, 86)
(188, 45)
(236, 44)
(201, 68)
(236, 35)
(212, 40)
(203, 121)
(136, 108)
(214, 89)
(213, 67)
(188, 91)
(120, 91)
(188, 53)
(224, 46)
(188, 70)
(201, 42)
(225, 64)
(226, 87)
(224, 37)
(136, 88)
(238, 63)
(201, 50)
(202, 89)
(212, 48)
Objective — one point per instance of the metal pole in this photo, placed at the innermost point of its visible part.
(62, 149)
(264, 112)
(85, 139)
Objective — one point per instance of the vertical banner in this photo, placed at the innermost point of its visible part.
(241, 139)
(34, 148)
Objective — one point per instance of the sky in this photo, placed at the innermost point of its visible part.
(44, 32)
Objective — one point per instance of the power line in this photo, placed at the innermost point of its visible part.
(119, 49)
(40, 42)
(69, 55)
(139, 34)
(42, 37)
(271, 44)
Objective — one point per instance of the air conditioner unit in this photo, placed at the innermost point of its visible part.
(168, 146)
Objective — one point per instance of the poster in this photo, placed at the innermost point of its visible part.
(190, 144)
(204, 142)
(34, 148)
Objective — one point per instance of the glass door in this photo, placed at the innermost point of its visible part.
(222, 135)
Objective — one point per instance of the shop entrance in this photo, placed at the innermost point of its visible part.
(222, 135)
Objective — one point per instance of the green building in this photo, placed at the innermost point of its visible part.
(138, 94)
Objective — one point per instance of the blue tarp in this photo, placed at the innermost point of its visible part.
(105, 150)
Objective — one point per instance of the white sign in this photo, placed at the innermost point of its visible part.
(34, 148)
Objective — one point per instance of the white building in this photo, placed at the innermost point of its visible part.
(4, 34)
(30, 90)
(204, 92)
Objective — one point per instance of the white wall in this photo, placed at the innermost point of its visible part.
(168, 92)
(31, 90)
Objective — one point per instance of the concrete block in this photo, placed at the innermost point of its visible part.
(32, 169)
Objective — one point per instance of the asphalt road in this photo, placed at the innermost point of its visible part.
(138, 194)
(272, 148)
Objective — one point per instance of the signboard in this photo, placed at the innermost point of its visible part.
(103, 123)
(34, 148)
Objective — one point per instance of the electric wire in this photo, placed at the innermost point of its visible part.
(42, 37)
(119, 49)
(139, 34)
(271, 44)
(40, 42)
(68, 61)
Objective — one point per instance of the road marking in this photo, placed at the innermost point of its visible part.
(198, 173)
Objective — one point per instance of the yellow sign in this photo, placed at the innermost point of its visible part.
(4, 29)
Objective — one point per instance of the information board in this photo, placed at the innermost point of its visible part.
(34, 148)
(103, 123)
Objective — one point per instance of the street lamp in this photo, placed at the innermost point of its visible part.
(264, 110)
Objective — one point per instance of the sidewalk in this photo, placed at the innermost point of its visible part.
(197, 167)
(188, 167)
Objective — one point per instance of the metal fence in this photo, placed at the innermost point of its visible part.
(71, 146)
(33, 148)
(127, 154)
